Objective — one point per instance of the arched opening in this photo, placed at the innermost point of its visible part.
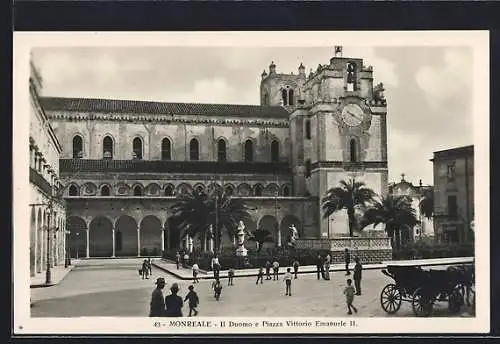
(172, 235)
(308, 129)
(248, 151)
(291, 99)
(105, 190)
(194, 150)
(266, 99)
(258, 190)
(275, 151)
(272, 190)
(107, 148)
(169, 190)
(184, 189)
(137, 190)
(353, 150)
(39, 250)
(269, 223)
(101, 237)
(199, 188)
(286, 191)
(33, 242)
(77, 147)
(166, 153)
(151, 236)
(244, 190)
(229, 190)
(118, 241)
(286, 223)
(284, 97)
(351, 76)
(137, 148)
(221, 150)
(77, 244)
(73, 190)
(127, 227)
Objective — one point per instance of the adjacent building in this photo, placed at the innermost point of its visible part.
(48, 215)
(454, 194)
(124, 161)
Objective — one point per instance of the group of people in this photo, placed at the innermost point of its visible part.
(171, 305)
(146, 269)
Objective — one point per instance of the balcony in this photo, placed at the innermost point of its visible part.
(38, 180)
(164, 166)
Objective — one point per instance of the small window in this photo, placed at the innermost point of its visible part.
(266, 99)
(351, 76)
(286, 191)
(308, 168)
(284, 97)
(353, 150)
(291, 99)
(452, 206)
(199, 189)
(194, 150)
(229, 190)
(105, 191)
(107, 148)
(308, 129)
(450, 172)
(137, 191)
(77, 147)
(73, 190)
(165, 149)
(137, 148)
(249, 151)
(275, 151)
(221, 150)
(258, 190)
(169, 190)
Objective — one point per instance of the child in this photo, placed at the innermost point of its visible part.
(230, 275)
(288, 282)
(260, 276)
(357, 276)
(217, 289)
(195, 273)
(276, 269)
(296, 267)
(145, 269)
(347, 259)
(177, 260)
(349, 295)
(193, 301)
(268, 270)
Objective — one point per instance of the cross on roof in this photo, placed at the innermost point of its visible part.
(402, 176)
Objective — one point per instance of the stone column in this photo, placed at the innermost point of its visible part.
(88, 243)
(138, 240)
(187, 242)
(162, 239)
(168, 239)
(279, 237)
(114, 242)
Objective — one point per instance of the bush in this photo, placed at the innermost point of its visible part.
(434, 251)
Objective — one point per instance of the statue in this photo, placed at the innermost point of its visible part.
(378, 92)
(294, 235)
(241, 250)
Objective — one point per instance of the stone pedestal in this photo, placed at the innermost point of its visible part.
(241, 251)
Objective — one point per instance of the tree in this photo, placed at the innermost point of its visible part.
(426, 204)
(349, 195)
(395, 212)
(196, 211)
(260, 236)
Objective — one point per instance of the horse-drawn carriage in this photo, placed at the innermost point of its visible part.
(423, 288)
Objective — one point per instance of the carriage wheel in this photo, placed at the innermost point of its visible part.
(455, 301)
(391, 298)
(421, 303)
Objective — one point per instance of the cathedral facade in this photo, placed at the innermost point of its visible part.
(123, 162)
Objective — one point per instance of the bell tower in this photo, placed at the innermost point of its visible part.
(282, 89)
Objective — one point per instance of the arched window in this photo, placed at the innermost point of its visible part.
(308, 129)
(169, 190)
(266, 99)
(73, 190)
(77, 147)
(137, 148)
(221, 150)
(107, 148)
(119, 240)
(353, 150)
(138, 191)
(229, 190)
(105, 190)
(291, 99)
(258, 190)
(284, 96)
(165, 149)
(248, 150)
(275, 151)
(194, 150)
(351, 76)
(286, 191)
(199, 189)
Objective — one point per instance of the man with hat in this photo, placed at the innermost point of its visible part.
(157, 305)
(173, 302)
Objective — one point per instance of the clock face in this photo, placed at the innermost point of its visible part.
(352, 115)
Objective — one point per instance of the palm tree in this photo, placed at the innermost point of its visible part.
(349, 195)
(260, 236)
(395, 212)
(196, 211)
(426, 204)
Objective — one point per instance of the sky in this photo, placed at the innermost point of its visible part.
(428, 89)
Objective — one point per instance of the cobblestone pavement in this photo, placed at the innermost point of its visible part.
(114, 288)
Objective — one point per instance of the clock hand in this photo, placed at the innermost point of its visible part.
(353, 115)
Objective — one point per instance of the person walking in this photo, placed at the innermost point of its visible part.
(319, 267)
(276, 269)
(347, 259)
(177, 259)
(328, 260)
(260, 276)
(230, 276)
(195, 269)
(173, 302)
(150, 266)
(357, 276)
(349, 295)
(157, 304)
(145, 269)
(268, 270)
(193, 299)
(288, 282)
(215, 266)
(217, 286)
(186, 259)
(295, 265)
